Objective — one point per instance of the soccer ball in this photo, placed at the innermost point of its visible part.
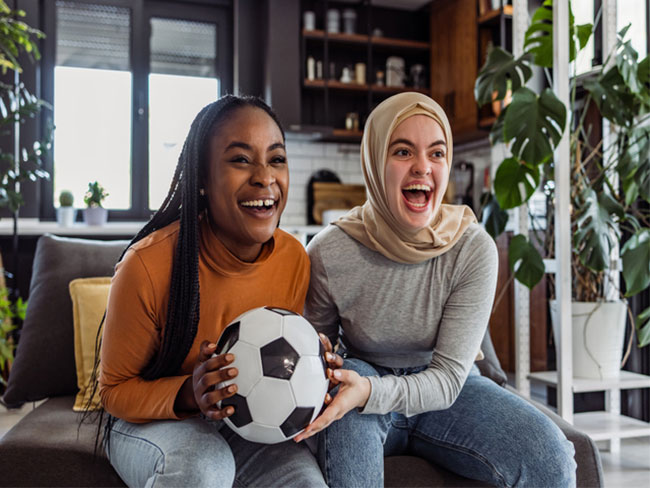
(282, 378)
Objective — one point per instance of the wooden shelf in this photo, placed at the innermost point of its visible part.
(627, 381)
(347, 134)
(493, 14)
(338, 85)
(364, 39)
(487, 122)
(602, 426)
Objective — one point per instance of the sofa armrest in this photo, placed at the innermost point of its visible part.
(590, 470)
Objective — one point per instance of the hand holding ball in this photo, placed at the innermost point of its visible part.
(282, 378)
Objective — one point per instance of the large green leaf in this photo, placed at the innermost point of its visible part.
(636, 262)
(626, 60)
(515, 182)
(596, 229)
(535, 123)
(496, 132)
(525, 261)
(643, 328)
(613, 97)
(494, 219)
(501, 67)
(538, 39)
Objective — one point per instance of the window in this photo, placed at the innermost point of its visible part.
(127, 78)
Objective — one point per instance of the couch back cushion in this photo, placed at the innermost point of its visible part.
(45, 361)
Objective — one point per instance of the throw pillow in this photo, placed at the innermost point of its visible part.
(89, 297)
(44, 365)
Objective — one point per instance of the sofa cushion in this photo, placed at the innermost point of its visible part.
(89, 297)
(48, 447)
(44, 364)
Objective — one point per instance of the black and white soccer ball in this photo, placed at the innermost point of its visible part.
(282, 378)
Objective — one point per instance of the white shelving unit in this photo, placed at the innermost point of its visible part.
(608, 425)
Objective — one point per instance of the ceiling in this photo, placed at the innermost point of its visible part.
(400, 4)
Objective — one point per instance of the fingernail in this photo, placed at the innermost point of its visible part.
(321, 335)
(337, 373)
(231, 388)
(230, 357)
(329, 356)
(230, 410)
(232, 372)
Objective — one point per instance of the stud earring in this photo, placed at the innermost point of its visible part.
(202, 192)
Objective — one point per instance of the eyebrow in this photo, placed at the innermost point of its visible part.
(409, 143)
(243, 145)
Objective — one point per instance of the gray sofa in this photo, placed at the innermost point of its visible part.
(49, 447)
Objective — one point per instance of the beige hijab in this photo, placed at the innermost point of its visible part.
(372, 224)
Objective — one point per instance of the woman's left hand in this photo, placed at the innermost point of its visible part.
(354, 391)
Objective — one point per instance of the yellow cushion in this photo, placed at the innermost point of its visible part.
(89, 297)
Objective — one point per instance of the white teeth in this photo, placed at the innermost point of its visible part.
(258, 203)
(418, 187)
(419, 205)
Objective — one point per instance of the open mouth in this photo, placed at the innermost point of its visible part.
(262, 207)
(417, 197)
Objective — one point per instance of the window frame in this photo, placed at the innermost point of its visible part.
(218, 12)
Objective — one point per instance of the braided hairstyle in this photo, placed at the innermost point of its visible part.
(184, 203)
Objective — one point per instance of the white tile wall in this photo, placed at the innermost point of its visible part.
(305, 158)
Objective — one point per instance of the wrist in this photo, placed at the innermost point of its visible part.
(366, 389)
(185, 401)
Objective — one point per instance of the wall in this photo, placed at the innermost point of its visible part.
(305, 157)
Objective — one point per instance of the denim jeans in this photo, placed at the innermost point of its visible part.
(488, 434)
(202, 453)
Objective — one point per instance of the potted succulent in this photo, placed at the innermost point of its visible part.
(66, 213)
(95, 214)
(610, 187)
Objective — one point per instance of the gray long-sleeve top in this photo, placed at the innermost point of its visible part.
(397, 315)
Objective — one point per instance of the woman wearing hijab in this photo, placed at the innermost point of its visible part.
(405, 284)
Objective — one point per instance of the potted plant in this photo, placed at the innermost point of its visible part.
(66, 213)
(95, 214)
(610, 187)
(9, 312)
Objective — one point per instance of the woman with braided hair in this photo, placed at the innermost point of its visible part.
(211, 252)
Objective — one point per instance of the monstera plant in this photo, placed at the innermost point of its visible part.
(610, 177)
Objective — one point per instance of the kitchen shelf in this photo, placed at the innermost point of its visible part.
(339, 85)
(627, 381)
(494, 14)
(364, 39)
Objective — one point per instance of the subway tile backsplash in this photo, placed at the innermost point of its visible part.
(307, 157)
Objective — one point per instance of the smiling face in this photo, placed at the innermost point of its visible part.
(417, 172)
(248, 179)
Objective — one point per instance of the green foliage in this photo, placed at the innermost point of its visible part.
(66, 198)
(95, 195)
(15, 37)
(525, 261)
(17, 104)
(607, 183)
(9, 312)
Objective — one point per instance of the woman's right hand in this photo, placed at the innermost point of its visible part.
(208, 373)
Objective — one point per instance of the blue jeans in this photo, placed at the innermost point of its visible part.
(202, 453)
(488, 434)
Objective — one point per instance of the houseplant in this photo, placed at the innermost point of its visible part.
(95, 214)
(66, 213)
(610, 186)
(18, 165)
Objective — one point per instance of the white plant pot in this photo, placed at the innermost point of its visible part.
(598, 332)
(65, 216)
(95, 215)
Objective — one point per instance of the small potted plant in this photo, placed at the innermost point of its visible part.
(66, 213)
(95, 214)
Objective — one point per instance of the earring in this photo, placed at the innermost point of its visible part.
(202, 192)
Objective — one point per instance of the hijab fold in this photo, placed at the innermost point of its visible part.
(372, 224)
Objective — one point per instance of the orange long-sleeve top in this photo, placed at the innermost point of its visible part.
(137, 311)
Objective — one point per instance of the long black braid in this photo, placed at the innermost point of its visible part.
(183, 202)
